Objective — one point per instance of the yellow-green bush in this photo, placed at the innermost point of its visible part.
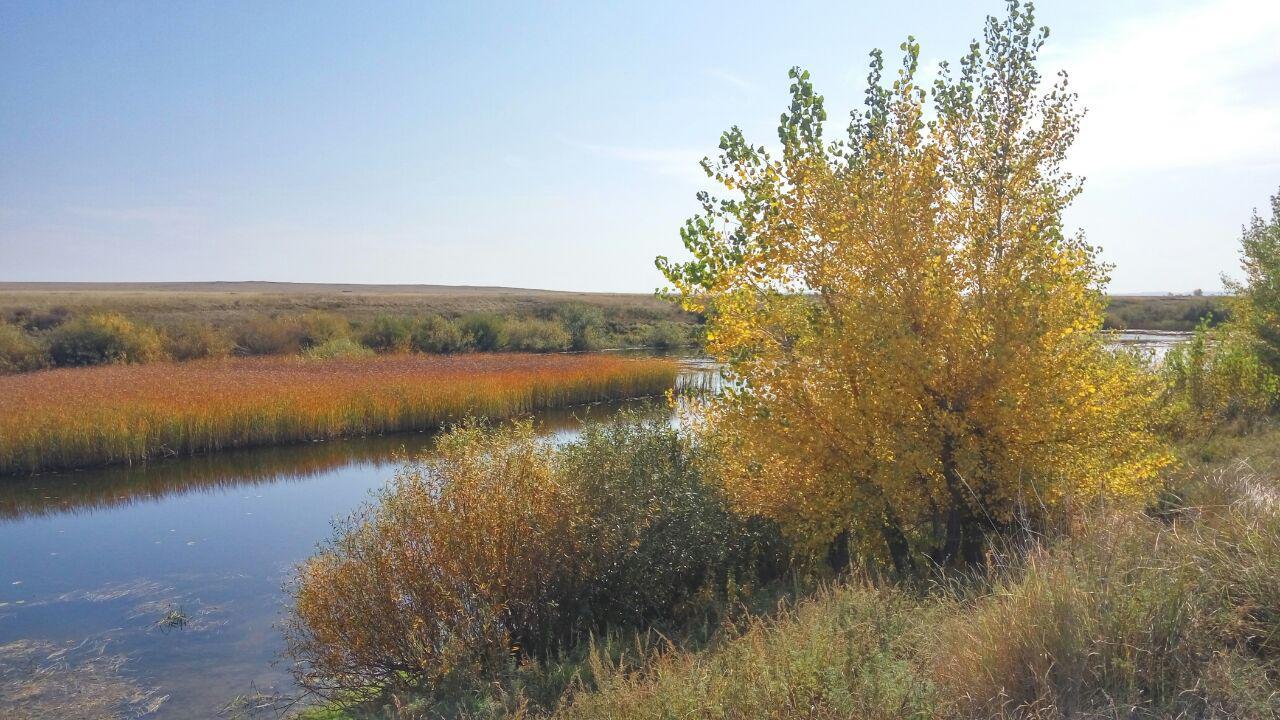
(435, 334)
(533, 335)
(104, 338)
(338, 347)
(19, 352)
(1217, 377)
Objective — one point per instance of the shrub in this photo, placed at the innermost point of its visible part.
(501, 547)
(39, 320)
(661, 531)
(461, 562)
(1217, 377)
(482, 331)
(319, 328)
(193, 341)
(268, 336)
(664, 335)
(19, 352)
(340, 347)
(435, 334)
(104, 338)
(389, 334)
(532, 335)
(584, 323)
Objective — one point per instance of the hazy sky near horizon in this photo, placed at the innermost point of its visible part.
(555, 145)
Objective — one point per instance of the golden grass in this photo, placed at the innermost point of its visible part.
(69, 418)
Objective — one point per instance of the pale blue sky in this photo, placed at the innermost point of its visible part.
(553, 145)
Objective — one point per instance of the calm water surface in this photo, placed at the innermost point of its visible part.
(91, 562)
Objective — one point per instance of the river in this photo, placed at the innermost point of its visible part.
(92, 564)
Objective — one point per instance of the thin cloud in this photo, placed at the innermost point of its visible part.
(729, 78)
(1189, 88)
(680, 163)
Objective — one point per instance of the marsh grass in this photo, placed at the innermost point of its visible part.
(81, 417)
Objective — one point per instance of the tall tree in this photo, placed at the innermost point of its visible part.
(914, 339)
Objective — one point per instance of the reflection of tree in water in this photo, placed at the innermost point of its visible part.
(123, 486)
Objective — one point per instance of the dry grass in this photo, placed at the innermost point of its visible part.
(71, 418)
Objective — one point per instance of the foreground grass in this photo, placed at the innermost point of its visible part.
(1133, 616)
(1172, 612)
(62, 419)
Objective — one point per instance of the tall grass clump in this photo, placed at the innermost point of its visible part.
(268, 336)
(1175, 615)
(71, 418)
(196, 341)
(104, 338)
(846, 652)
(501, 552)
(19, 351)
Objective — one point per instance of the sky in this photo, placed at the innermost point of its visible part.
(556, 145)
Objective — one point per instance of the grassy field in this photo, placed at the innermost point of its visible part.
(45, 325)
(1164, 312)
(223, 303)
(70, 418)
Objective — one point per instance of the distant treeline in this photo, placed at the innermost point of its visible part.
(1165, 312)
(58, 336)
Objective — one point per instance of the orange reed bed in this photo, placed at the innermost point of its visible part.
(60, 419)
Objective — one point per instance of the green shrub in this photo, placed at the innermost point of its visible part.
(1217, 377)
(319, 328)
(268, 336)
(435, 334)
(584, 324)
(482, 331)
(193, 341)
(661, 531)
(19, 352)
(665, 335)
(340, 347)
(532, 335)
(389, 334)
(104, 338)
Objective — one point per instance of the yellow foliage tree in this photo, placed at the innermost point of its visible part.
(913, 340)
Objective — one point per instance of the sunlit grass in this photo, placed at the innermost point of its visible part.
(70, 418)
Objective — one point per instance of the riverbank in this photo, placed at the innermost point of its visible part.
(74, 418)
(1167, 611)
